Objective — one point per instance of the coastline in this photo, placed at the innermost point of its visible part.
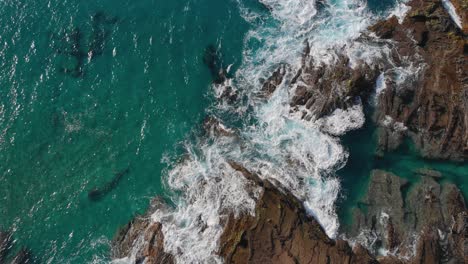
(430, 110)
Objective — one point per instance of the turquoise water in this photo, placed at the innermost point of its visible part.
(102, 95)
(87, 91)
(403, 162)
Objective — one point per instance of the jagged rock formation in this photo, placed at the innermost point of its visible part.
(324, 88)
(428, 225)
(282, 232)
(433, 110)
(152, 241)
(432, 215)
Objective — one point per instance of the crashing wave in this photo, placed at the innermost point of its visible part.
(273, 140)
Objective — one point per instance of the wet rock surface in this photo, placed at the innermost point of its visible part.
(432, 110)
(424, 223)
(421, 223)
(320, 88)
(146, 233)
(282, 232)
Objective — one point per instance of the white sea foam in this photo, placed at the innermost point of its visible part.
(342, 121)
(400, 10)
(278, 144)
(452, 12)
(298, 12)
(380, 83)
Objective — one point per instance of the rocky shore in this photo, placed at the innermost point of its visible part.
(433, 110)
(428, 224)
(396, 222)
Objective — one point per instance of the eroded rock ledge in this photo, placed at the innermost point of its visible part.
(433, 110)
(282, 232)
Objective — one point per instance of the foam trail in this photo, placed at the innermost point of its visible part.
(272, 141)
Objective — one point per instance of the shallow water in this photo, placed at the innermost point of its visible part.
(404, 162)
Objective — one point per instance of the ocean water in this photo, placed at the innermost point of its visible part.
(403, 162)
(111, 95)
(136, 85)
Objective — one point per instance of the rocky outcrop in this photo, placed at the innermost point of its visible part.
(427, 223)
(424, 223)
(270, 85)
(433, 109)
(322, 88)
(144, 235)
(282, 232)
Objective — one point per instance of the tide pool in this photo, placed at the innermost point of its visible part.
(404, 162)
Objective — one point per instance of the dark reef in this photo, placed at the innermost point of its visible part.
(72, 47)
(98, 193)
(23, 256)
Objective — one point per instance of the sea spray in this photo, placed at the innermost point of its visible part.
(273, 139)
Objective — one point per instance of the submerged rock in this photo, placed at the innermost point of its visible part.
(23, 256)
(426, 223)
(429, 173)
(97, 194)
(213, 60)
(5, 243)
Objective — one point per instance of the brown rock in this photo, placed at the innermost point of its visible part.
(434, 107)
(385, 28)
(282, 232)
(143, 230)
(324, 88)
(461, 7)
(270, 85)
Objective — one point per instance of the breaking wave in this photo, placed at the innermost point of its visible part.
(266, 136)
